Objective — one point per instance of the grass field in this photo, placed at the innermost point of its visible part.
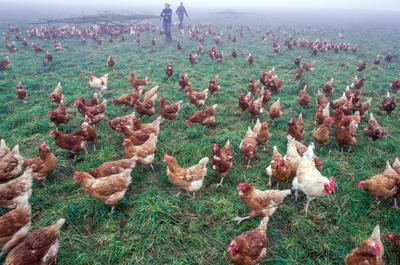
(151, 226)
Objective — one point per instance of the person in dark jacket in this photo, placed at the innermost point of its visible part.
(166, 14)
(181, 12)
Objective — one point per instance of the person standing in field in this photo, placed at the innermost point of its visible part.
(181, 12)
(166, 14)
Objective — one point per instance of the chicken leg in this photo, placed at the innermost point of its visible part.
(241, 219)
(248, 164)
(307, 204)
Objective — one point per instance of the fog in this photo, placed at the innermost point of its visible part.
(355, 10)
(393, 5)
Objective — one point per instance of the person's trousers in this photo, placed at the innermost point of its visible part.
(180, 22)
(167, 31)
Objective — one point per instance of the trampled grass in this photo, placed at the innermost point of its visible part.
(150, 226)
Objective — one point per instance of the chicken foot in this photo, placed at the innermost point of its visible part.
(220, 183)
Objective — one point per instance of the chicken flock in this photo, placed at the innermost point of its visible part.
(335, 119)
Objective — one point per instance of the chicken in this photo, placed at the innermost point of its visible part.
(310, 181)
(336, 104)
(322, 101)
(57, 95)
(275, 110)
(357, 83)
(21, 92)
(111, 168)
(222, 160)
(193, 58)
(234, 53)
(250, 59)
(169, 111)
(297, 61)
(298, 74)
(138, 137)
(262, 133)
(370, 251)
(11, 164)
(16, 191)
(304, 98)
(127, 99)
(374, 129)
(244, 101)
(152, 127)
(302, 149)
(362, 107)
(110, 189)
(151, 94)
(12, 47)
(186, 179)
(321, 115)
(382, 186)
(143, 154)
(36, 48)
(14, 226)
(88, 103)
(266, 95)
(88, 132)
(388, 104)
(48, 57)
(255, 107)
(321, 133)
(388, 58)
(179, 45)
(258, 202)
(328, 86)
(59, 115)
(5, 64)
(338, 118)
(249, 145)
(44, 164)
(394, 84)
(394, 239)
(213, 86)
(169, 71)
(73, 143)
(249, 248)
(253, 87)
(136, 82)
(123, 121)
(279, 169)
(196, 98)
(39, 247)
(110, 62)
(98, 84)
(183, 81)
(346, 133)
(145, 108)
(361, 66)
(91, 111)
(296, 129)
(205, 117)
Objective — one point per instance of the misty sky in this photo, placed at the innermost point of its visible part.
(224, 4)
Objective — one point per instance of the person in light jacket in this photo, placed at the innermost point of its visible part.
(166, 14)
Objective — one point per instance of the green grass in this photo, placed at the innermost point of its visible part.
(150, 226)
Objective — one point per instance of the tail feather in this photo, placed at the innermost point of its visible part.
(57, 225)
(204, 161)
